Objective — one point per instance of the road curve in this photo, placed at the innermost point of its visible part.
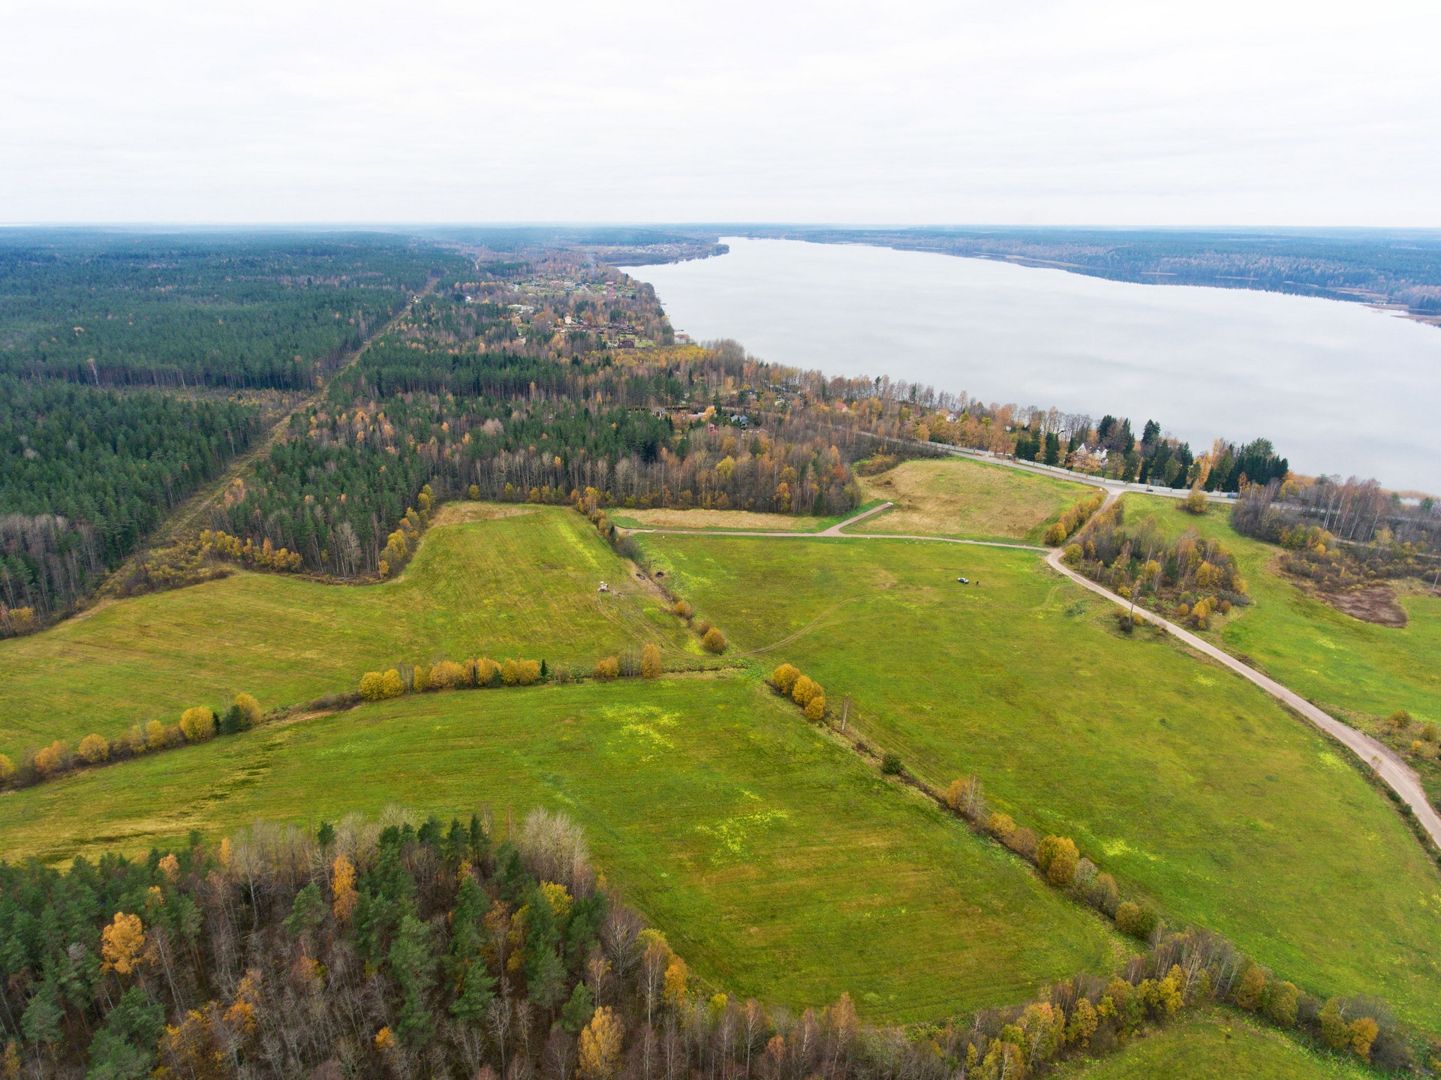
(1381, 759)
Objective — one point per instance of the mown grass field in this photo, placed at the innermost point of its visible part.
(1216, 1046)
(1178, 777)
(958, 497)
(718, 519)
(1359, 670)
(509, 585)
(776, 862)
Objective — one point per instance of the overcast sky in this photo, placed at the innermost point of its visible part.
(1135, 112)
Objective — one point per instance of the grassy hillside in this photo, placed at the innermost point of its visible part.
(489, 583)
(1358, 669)
(776, 862)
(1209, 1046)
(957, 497)
(1175, 775)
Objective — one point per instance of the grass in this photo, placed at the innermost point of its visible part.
(958, 497)
(721, 520)
(1359, 670)
(1182, 779)
(1215, 1044)
(774, 860)
(492, 583)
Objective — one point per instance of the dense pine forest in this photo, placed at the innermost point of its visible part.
(91, 463)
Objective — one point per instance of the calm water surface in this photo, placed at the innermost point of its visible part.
(1339, 388)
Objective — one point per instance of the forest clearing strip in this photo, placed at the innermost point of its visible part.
(185, 516)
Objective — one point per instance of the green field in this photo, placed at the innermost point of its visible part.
(512, 585)
(1359, 670)
(1216, 1046)
(774, 860)
(1182, 779)
(957, 497)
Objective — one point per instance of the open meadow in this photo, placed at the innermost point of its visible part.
(488, 583)
(955, 496)
(1362, 671)
(776, 862)
(1211, 1045)
(1181, 779)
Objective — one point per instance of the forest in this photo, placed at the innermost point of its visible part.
(85, 474)
(492, 949)
(231, 310)
(120, 356)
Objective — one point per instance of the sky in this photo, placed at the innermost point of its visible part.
(1107, 112)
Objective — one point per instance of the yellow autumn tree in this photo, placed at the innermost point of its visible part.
(447, 675)
(7, 769)
(156, 736)
(676, 974)
(804, 689)
(784, 678)
(121, 943)
(816, 708)
(342, 888)
(94, 749)
(249, 709)
(170, 866)
(607, 668)
(600, 1046)
(197, 724)
(650, 662)
(51, 759)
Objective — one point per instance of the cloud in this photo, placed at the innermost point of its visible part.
(1124, 112)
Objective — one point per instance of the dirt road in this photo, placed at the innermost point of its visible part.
(1379, 758)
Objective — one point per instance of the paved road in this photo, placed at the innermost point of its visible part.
(1381, 759)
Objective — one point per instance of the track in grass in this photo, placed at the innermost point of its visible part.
(511, 585)
(775, 861)
(1177, 775)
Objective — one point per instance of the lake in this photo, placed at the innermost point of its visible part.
(1339, 388)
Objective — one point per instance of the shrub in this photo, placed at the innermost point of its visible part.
(1250, 988)
(701, 626)
(520, 672)
(650, 663)
(447, 675)
(607, 668)
(683, 610)
(1001, 825)
(1058, 857)
(816, 708)
(804, 689)
(243, 714)
(372, 686)
(197, 724)
(156, 736)
(94, 749)
(7, 769)
(1133, 919)
(714, 641)
(1282, 1003)
(52, 759)
(784, 678)
(1102, 894)
(484, 671)
(891, 764)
